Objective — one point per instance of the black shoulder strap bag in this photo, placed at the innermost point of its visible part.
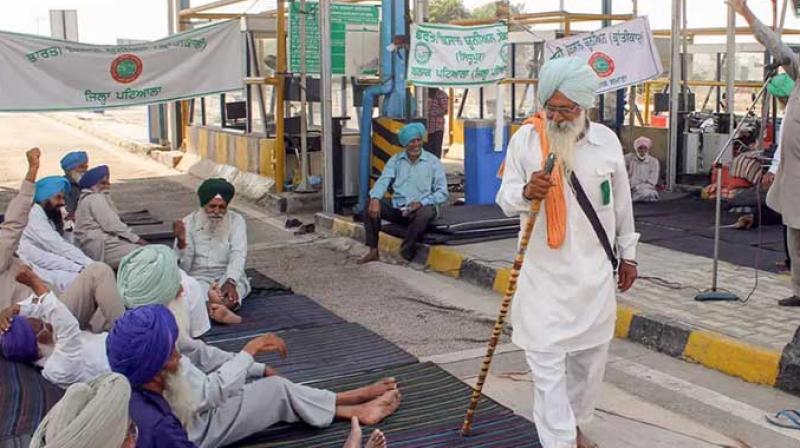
(588, 209)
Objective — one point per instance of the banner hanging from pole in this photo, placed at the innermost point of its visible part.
(622, 55)
(458, 56)
(43, 74)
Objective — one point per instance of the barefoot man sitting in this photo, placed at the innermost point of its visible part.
(212, 243)
(222, 408)
(564, 308)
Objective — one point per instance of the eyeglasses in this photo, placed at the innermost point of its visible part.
(563, 110)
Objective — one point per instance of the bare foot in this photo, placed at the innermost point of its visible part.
(376, 440)
(354, 438)
(378, 409)
(371, 256)
(584, 442)
(221, 314)
(366, 393)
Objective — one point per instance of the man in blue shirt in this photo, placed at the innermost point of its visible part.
(419, 187)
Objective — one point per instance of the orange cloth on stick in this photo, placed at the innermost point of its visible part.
(555, 203)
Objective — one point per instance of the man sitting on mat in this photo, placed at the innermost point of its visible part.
(43, 245)
(75, 164)
(221, 407)
(212, 243)
(99, 231)
(419, 187)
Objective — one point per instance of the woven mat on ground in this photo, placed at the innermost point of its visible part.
(431, 413)
(266, 284)
(454, 239)
(25, 398)
(263, 311)
(471, 217)
(139, 218)
(328, 352)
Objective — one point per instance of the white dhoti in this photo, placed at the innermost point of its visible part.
(261, 404)
(563, 402)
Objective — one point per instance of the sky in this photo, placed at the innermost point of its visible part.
(103, 21)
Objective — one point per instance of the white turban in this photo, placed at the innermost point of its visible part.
(93, 415)
(570, 76)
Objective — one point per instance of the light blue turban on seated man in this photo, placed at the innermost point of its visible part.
(572, 77)
(149, 275)
(18, 344)
(410, 132)
(141, 342)
(50, 186)
(73, 159)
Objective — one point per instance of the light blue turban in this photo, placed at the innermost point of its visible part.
(73, 159)
(50, 186)
(570, 76)
(149, 275)
(410, 132)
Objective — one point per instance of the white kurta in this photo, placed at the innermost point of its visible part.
(565, 299)
(51, 256)
(199, 322)
(78, 356)
(209, 259)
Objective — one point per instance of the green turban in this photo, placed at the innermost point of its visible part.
(781, 86)
(149, 275)
(571, 76)
(210, 188)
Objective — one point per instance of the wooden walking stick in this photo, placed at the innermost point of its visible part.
(501, 318)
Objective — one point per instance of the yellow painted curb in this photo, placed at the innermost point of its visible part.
(751, 363)
(445, 261)
(624, 318)
(389, 244)
(343, 228)
(501, 279)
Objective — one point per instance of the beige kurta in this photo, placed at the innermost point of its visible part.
(99, 232)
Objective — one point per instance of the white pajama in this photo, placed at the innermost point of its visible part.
(566, 388)
(564, 309)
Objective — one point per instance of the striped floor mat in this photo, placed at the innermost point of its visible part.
(430, 415)
(25, 398)
(328, 352)
(264, 311)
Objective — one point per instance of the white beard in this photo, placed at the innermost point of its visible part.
(181, 397)
(180, 310)
(220, 229)
(562, 138)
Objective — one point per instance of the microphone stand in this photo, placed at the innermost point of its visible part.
(714, 293)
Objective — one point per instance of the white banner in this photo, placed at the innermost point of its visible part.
(621, 55)
(43, 74)
(458, 56)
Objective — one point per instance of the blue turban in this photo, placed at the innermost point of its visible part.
(149, 275)
(410, 132)
(18, 344)
(93, 176)
(210, 188)
(50, 186)
(570, 76)
(73, 159)
(141, 342)
(781, 86)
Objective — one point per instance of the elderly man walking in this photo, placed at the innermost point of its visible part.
(419, 187)
(565, 307)
(782, 195)
(211, 243)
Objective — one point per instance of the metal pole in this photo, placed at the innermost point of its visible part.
(303, 186)
(672, 160)
(327, 103)
(730, 64)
